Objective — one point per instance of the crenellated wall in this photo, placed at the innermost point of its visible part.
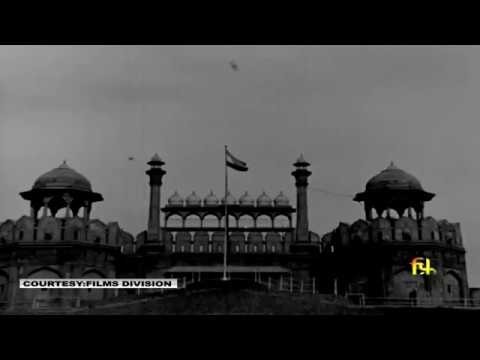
(404, 230)
(30, 248)
(48, 230)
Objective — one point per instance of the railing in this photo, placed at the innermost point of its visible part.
(262, 247)
(284, 284)
(361, 300)
(287, 284)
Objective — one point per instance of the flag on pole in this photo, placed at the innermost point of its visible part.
(239, 165)
(235, 163)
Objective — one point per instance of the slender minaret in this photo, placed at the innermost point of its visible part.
(155, 174)
(301, 181)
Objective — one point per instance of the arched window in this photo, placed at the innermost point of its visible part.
(392, 214)
(47, 236)
(193, 221)
(175, 221)
(210, 221)
(20, 235)
(263, 221)
(281, 221)
(232, 222)
(380, 236)
(406, 236)
(42, 294)
(246, 221)
(75, 235)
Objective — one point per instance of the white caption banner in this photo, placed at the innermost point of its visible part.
(98, 283)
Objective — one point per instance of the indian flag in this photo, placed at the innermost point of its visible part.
(235, 163)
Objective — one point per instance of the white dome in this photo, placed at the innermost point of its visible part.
(210, 199)
(175, 199)
(230, 199)
(281, 200)
(246, 200)
(264, 200)
(193, 200)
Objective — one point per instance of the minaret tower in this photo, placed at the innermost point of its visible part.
(155, 173)
(301, 175)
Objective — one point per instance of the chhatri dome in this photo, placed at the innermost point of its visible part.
(393, 178)
(264, 200)
(175, 199)
(281, 200)
(210, 199)
(59, 188)
(246, 199)
(63, 177)
(393, 188)
(193, 199)
(230, 199)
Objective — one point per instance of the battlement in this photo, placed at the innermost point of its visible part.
(51, 230)
(396, 230)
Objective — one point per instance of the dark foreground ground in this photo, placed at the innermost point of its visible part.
(242, 298)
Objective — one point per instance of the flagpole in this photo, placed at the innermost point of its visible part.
(226, 220)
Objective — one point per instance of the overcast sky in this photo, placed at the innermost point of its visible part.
(350, 109)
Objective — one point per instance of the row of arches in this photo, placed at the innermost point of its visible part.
(82, 212)
(213, 221)
(392, 213)
(212, 242)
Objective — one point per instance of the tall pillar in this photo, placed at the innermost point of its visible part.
(301, 175)
(155, 174)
